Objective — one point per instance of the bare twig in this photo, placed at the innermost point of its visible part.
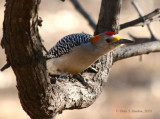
(141, 14)
(149, 21)
(7, 65)
(84, 13)
(140, 20)
(135, 50)
(40, 21)
(138, 40)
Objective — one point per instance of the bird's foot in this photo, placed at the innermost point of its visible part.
(91, 70)
(82, 81)
(66, 75)
(63, 75)
(53, 78)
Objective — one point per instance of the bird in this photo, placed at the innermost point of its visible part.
(76, 52)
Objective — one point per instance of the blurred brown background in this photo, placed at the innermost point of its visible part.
(132, 85)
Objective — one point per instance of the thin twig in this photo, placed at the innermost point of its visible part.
(141, 19)
(134, 3)
(40, 21)
(7, 65)
(138, 40)
(135, 50)
(84, 13)
(149, 21)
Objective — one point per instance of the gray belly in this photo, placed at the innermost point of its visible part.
(71, 64)
(74, 62)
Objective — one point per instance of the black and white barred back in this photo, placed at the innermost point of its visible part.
(67, 43)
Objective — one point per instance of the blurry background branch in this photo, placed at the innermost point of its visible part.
(134, 3)
(143, 19)
(149, 21)
(84, 13)
(138, 40)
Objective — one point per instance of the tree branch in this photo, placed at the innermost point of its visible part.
(138, 40)
(141, 14)
(141, 19)
(155, 19)
(23, 49)
(7, 65)
(107, 21)
(84, 13)
(135, 50)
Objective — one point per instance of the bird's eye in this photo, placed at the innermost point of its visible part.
(108, 40)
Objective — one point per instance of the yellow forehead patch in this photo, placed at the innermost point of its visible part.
(116, 38)
(94, 39)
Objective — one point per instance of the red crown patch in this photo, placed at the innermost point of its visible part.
(110, 33)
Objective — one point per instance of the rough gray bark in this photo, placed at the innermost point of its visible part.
(23, 49)
(135, 50)
(109, 16)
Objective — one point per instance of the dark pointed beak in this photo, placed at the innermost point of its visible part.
(124, 41)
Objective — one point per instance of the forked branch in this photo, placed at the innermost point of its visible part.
(143, 20)
(138, 9)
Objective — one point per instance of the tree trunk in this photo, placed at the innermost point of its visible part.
(23, 49)
(40, 96)
(109, 16)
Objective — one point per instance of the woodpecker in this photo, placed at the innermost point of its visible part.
(76, 52)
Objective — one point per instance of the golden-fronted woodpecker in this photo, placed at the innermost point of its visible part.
(76, 52)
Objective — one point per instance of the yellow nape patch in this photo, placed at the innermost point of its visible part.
(116, 38)
(94, 39)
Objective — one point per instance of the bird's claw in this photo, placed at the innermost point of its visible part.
(82, 81)
(66, 75)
